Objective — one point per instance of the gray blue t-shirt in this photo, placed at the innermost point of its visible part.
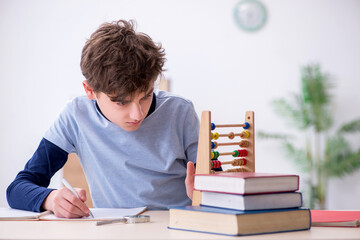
(146, 167)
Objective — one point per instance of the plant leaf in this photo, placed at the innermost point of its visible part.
(295, 114)
(299, 156)
(265, 135)
(316, 96)
(351, 127)
(341, 159)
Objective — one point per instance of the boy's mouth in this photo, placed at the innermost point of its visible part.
(135, 123)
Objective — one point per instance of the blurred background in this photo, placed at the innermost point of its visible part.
(212, 60)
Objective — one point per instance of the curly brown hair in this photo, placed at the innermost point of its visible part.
(120, 62)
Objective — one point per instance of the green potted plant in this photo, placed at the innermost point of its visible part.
(324, 152)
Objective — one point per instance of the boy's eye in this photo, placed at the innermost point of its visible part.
(147, 96)
(121, 103)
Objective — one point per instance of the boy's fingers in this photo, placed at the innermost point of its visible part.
(190, 170)
(83, 210)
(189, 180)
(68, 210)
(82, 193)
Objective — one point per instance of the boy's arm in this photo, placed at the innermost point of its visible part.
(29, 189)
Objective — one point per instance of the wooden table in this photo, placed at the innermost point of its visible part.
(156, 229)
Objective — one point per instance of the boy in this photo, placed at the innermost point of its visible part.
(134, 144)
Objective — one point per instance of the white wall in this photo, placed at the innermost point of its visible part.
(210, 60)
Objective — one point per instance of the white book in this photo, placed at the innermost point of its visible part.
(246, 182)
(253, 201)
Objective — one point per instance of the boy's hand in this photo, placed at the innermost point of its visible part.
(63, 203)
(189, 180)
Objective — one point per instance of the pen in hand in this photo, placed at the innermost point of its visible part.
(67, 185)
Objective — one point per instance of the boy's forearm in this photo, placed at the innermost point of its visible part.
(26, 195)
(29, 189)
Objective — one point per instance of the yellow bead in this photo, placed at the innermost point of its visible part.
(247, 134)
(212, 136)
(216, 136)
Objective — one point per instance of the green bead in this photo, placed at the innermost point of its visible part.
(236, 153)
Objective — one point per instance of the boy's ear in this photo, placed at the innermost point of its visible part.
(88, 90)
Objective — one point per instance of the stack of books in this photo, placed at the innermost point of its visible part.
(244, 203)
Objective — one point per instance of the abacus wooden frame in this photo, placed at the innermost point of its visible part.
(203, 165)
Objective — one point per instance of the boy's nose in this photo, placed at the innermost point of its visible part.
(136, 112)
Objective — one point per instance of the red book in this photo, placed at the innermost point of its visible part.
(246, 182)
(326, 218)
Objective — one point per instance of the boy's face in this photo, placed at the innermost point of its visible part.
(128, 114)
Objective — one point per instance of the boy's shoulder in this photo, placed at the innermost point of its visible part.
(172, 108)
(78, 105)
(163, 96)
(80, 101)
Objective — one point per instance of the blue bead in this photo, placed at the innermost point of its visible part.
(213, 126)
(247, 125)
(212, 145)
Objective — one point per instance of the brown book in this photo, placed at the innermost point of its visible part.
(236, 222)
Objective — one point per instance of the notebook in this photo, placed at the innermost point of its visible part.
(10, 214)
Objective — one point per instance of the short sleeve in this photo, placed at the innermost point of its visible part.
(64, 130)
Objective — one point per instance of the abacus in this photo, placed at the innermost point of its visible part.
(210, 141)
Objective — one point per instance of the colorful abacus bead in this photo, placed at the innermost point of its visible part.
(214, 136)
(239, 162)
(214, 155)
(247, 125)
(213, 126)
(244, 134)
(242, 169)
(242, 153)
(215, 164)
(214, 145)
(244, 143)
(231, 135)
(236, 153)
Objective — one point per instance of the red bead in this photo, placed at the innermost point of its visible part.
(244, 161)
(216, 164)
(242, 153)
